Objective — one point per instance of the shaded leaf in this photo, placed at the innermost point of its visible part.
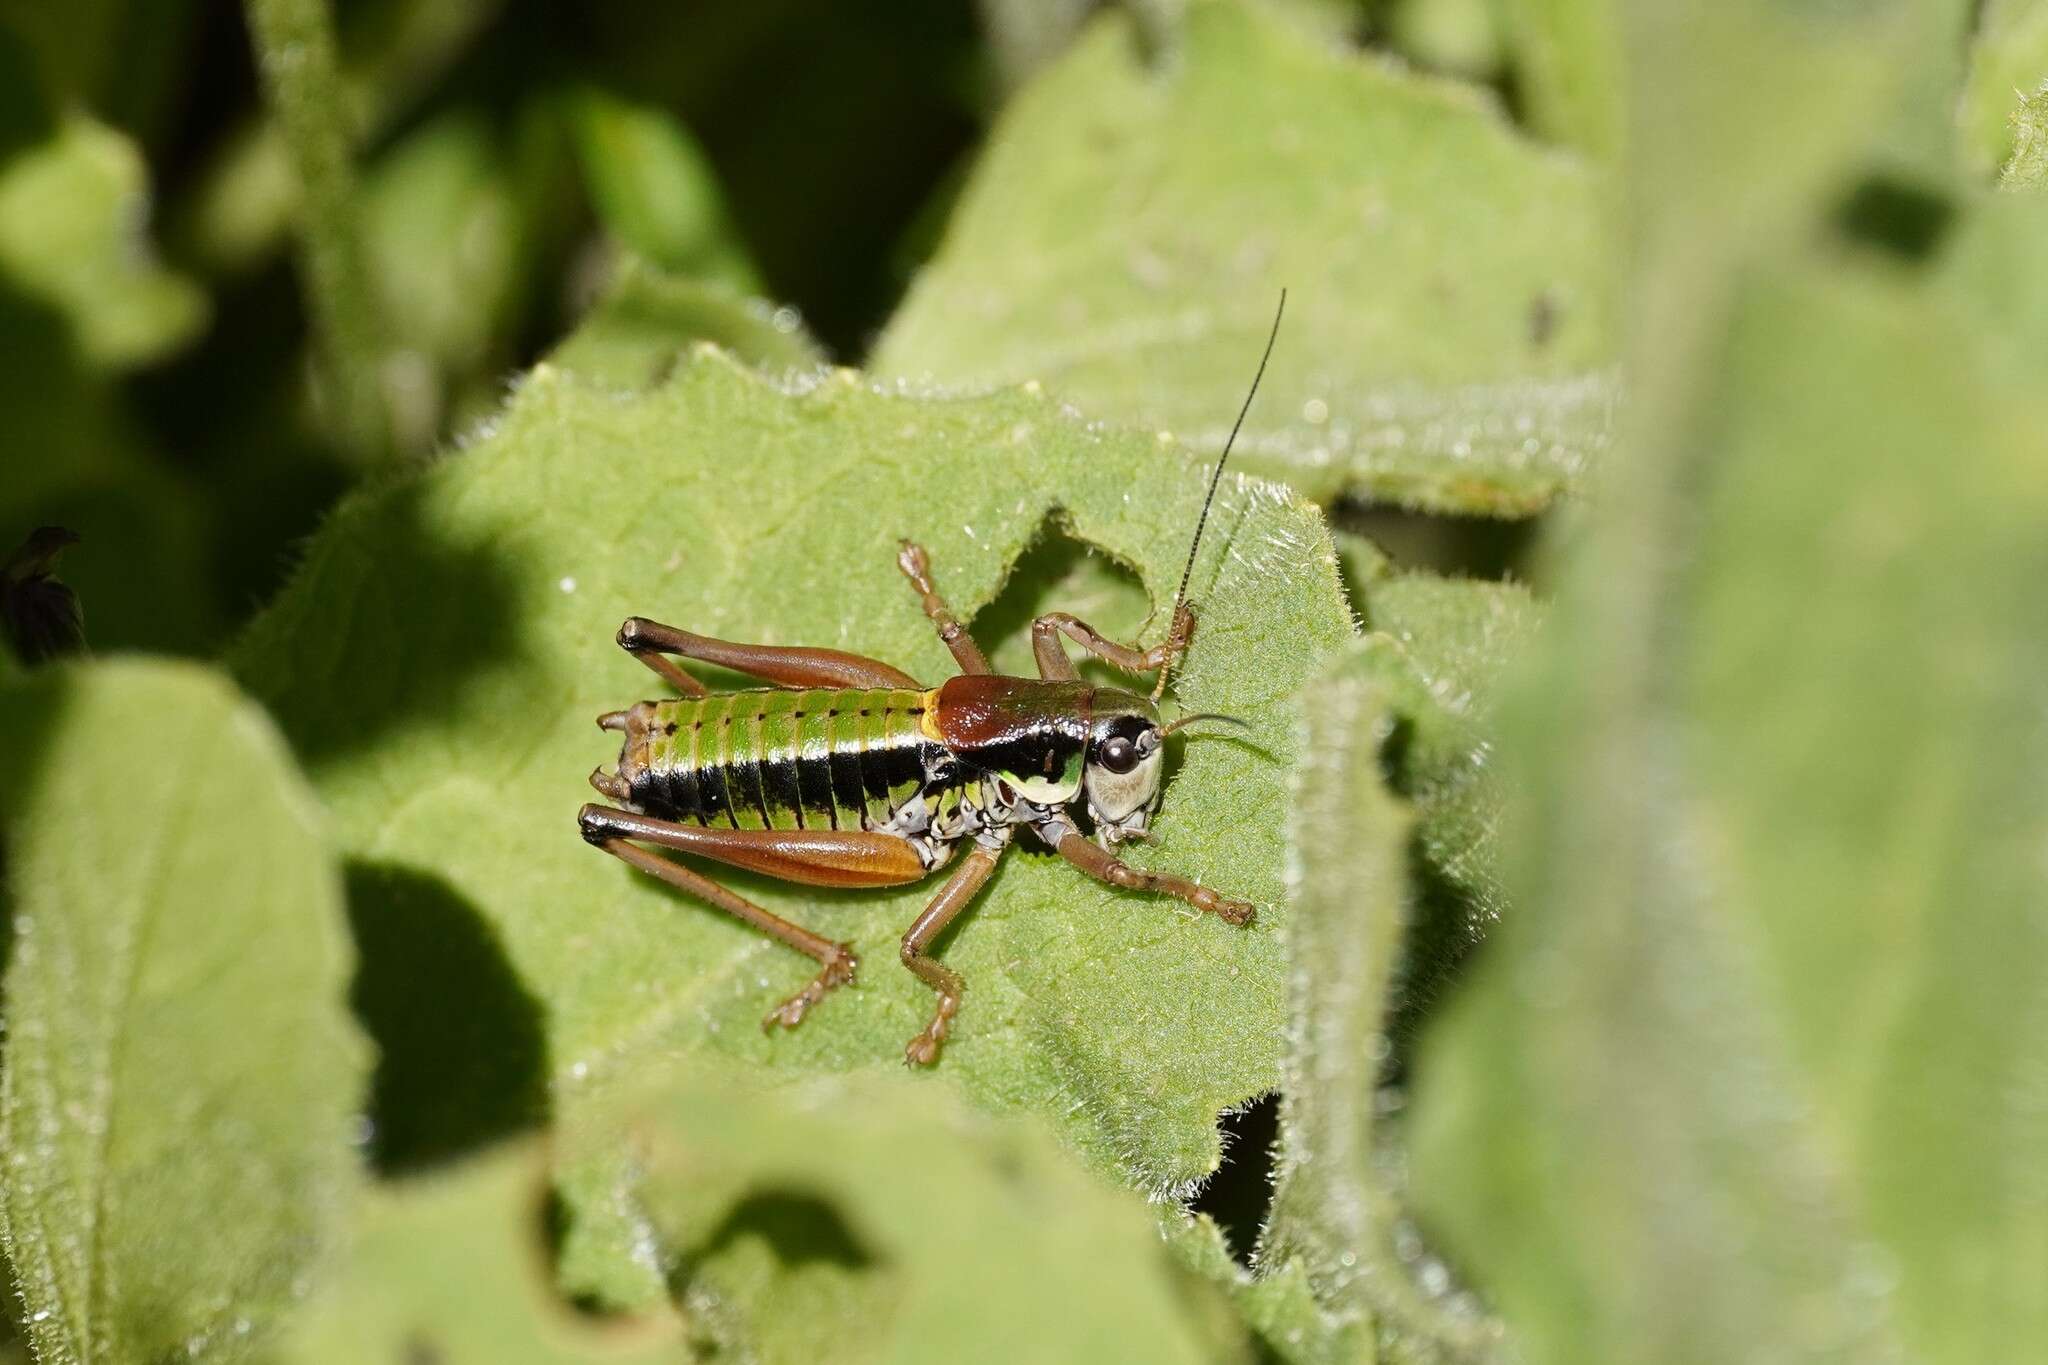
(72, 213)
(179, 1055)
(441, 236)
(1567, 60)
(871, 1219)
(1771, 1096)
(656, 190)
(72, 460)
(1458, 36)
(1124, 239)
(317, 123)
(719, 500)
(1439, 648)
(452, 1268)
(1723, 170)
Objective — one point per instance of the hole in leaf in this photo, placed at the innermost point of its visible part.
(1060, 573)
(1461, 547)
(1240, 1193)
(1890, 215)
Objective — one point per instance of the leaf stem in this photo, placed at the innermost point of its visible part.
(295, 54)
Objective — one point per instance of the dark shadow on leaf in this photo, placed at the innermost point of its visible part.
(389, 627)
(801, 1228)
(1894, 216)
(1445, 928)
(33, 711)
(461, 1052)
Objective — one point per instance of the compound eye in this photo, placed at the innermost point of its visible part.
(1118, 754)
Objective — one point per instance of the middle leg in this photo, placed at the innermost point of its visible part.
(951, 900)
(911, 559)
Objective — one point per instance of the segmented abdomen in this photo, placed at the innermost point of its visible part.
(777, 758)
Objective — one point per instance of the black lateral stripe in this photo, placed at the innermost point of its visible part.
(875, 769)
(901, 763)
(717, 786)
(718, 802)
(844, 764)
(780, 790)
(744, 779)
(814, 783)
(683, 794)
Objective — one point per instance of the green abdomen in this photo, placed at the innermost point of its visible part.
(777, 758)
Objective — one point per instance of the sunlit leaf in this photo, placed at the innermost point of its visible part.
(443, 652)
(1126, 234)
(453, 1268)
(873, 1220)
(180, 1068)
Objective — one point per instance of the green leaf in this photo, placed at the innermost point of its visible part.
(656, 190)
(2008, 58)
(2027, 167)
(453, 1268)
(1993, 269)
(1460, 36)
(1126, 235)
(873, 1219)
(1440, 647)
(1765, 1025)
(73, 461)
(1567, 60)
(72, 212)
(637, 332)
(1723, 169)
(441, 655)
(1334, 1214)
(441, 236)
(180, 1068)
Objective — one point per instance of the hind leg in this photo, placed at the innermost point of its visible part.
(651, 643)
(828, 858)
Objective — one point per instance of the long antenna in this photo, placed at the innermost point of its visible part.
(1187, 572)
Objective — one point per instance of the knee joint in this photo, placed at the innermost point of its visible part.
(595, 824)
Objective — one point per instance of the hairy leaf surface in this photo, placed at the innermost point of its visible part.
(441, 657)
(180, 1067)
(1126, 236)
(1766, 1026)
(873, 1219)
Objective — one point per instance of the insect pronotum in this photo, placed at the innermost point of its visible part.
(845, 772)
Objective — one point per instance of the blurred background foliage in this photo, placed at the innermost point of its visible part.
(1670, 374)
